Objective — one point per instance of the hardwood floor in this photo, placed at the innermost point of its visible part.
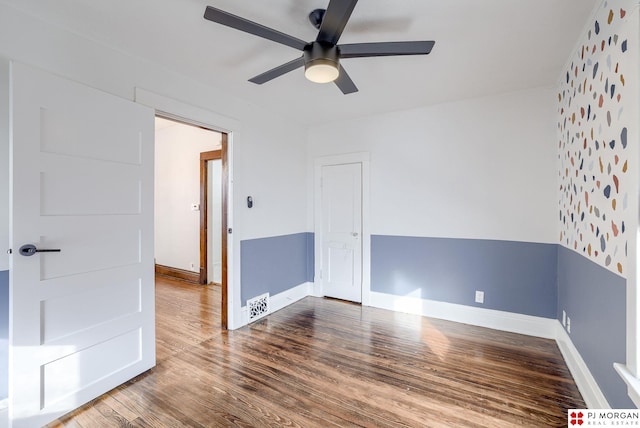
(322, 362)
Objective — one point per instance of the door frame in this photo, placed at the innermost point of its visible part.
(362, 158)
(197, 116)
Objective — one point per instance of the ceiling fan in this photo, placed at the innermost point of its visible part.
(321, 57)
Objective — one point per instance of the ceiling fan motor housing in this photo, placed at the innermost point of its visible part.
(322, 58)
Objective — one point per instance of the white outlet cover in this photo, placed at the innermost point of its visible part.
(479, 296)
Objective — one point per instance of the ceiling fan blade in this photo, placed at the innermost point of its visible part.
(233, 21)
(360, 50)
(345, 83)
(278, 71)
(334, 21)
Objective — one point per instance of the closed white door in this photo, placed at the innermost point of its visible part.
(342, 231)
(82, 319)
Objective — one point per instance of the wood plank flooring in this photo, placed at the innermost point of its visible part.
(324, 363)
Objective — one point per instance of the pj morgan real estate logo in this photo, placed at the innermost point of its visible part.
(603, 418)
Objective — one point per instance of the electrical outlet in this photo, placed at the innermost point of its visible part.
(564, 318)
(193, 266)
(568, 325)
(479, 296)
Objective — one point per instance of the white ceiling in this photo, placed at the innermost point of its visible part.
(482, 47)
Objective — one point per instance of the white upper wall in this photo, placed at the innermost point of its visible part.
(275, 178)
(482, 168)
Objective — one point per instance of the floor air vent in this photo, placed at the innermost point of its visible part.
(258, 307)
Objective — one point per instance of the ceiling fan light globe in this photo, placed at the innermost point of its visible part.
(321, 71)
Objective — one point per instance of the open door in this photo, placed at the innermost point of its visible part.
(81, 283)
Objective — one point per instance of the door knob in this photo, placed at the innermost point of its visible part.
(354, 233)
(30, 249)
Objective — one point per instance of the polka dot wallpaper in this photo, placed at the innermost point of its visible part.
(596, 107)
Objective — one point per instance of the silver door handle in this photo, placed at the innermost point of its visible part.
(30, 249)
(354, 233)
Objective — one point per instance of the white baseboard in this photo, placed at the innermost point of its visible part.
(290, 296)
(498, 320)
(281, 300)
(591, 393)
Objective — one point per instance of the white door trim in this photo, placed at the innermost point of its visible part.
(172, 108)
(362, 158)
(4, 196)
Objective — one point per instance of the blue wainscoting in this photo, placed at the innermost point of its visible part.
(594, 298)
(516, 277)
(275, 264)
(4, 333)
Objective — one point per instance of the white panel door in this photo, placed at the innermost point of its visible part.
(342, 231)
(82, 319)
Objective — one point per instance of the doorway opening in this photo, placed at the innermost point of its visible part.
(190, 204)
